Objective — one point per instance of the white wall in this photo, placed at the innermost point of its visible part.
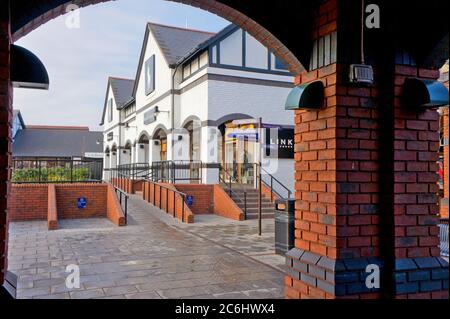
(256, 101)
(116, 114)
(163, 75)
(251, 99)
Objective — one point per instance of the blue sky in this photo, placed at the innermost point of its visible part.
(79, 61)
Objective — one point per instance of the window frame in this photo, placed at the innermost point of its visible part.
(150, 63)
(110, 110)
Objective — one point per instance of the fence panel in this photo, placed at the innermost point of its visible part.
(56, 171)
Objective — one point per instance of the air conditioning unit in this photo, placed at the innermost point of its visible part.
(361, 74)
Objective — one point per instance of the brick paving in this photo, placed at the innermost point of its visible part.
(155, 256)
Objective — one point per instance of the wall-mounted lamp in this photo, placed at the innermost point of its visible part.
(424, 94)
(156, 143)
(158, 111)
(180, 137)
(128, 126)
(309, 96)
(27, 71)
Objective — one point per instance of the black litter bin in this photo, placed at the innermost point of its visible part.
(284, 225)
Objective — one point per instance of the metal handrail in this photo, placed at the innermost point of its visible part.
(168, 189)
(168, 171)
(229, 187)
(271, 186)
(120, 193)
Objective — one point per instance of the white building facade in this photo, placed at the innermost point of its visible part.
(200, 97)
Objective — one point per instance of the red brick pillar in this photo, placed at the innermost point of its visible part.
(444, 209)
(419, 270)
(5, 131)
(445, 203)
(366, 178)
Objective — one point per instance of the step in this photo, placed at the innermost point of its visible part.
(256, 205)
(256, 211)
(251, 216)
(252, 201)
(255, 196)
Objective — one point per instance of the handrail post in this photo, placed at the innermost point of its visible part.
(160, 196)
(174, 204)
(126, 210)
(271, 188)
(71, 171)
(39, 175)
(182, 208)
(245, 205)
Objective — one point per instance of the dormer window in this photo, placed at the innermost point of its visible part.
(150, 75)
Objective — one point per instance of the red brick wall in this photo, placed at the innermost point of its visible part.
(416, 154)
(67, 196)
(114, 211)
(445, 121)
(124, 184)
(28, 202)
(224, 206)
(167, 200)
(52, 210)
(53, 202)
(203, 197)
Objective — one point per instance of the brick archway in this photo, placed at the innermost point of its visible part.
(359, 159)
(215, 7)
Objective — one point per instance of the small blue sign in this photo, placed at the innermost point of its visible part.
(190, 200)
(81, 203)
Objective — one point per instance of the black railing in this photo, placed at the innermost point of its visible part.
(165, 172)
(123, 200)
(177, 171)
(137, 171)
(162, 196)
(56, 171)
(226, 179)
(275, 186)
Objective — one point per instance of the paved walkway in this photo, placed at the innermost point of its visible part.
(154, 257)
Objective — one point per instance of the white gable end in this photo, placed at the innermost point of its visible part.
(162, 81)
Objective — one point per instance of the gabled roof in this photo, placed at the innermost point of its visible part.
(123, 93)
(122, 90)
(59, 142)
(176, 43)
(205, 44)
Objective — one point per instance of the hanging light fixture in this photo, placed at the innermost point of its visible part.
(27, 71)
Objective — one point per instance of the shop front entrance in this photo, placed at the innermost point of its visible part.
(239, 152)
